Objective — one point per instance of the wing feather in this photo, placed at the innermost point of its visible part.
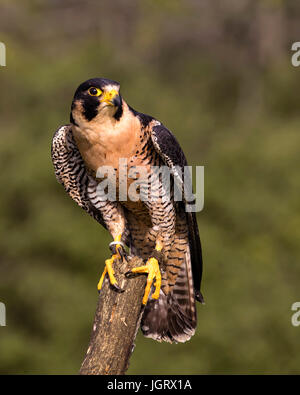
(71, 172)
(167, 146)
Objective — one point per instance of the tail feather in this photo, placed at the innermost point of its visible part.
(172, 318)
(164, 320)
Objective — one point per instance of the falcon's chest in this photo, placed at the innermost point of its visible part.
(125, 155)
(104, 144)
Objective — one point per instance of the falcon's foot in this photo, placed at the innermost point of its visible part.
(153, 271)
(119, 253)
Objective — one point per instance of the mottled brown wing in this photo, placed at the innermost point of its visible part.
(170, 151)
(70, 171)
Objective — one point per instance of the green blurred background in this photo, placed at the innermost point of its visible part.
(219, 75)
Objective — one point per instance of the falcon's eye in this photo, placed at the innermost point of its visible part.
(94, 91)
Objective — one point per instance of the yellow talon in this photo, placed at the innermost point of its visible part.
(109, 269)
(100, 283)
(152, 268)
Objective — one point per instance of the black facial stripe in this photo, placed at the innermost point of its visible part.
(90, 107)
(119, 111)
(72, 120)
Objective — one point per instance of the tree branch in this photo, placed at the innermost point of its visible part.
(116, 323)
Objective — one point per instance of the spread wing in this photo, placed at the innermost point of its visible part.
(170, 151)
(70, 171)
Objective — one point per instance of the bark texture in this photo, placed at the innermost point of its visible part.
(116, 323)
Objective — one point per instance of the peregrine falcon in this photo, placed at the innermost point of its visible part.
(104, 128)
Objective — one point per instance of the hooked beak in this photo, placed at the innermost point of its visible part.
(111, 98)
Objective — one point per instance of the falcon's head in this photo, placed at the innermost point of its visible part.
(96, 98)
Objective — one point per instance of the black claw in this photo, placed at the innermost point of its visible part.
(123, 253)
(117, 288)
(113, 249)
(129, 274)
(120, 250)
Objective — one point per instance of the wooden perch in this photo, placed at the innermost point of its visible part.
(116, 323)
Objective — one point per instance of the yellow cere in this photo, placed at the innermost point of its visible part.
(109, 96)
